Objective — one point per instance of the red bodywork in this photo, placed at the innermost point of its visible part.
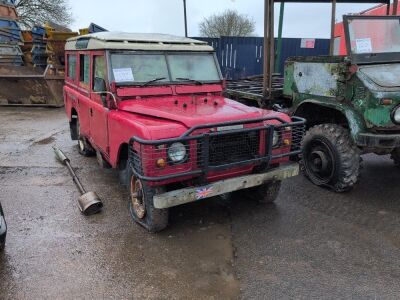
(155, 113)
(380, 10)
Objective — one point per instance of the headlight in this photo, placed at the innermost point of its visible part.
(396, 115)
(275, 139)
(177, 152)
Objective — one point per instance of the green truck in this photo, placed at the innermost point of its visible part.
(351, 103)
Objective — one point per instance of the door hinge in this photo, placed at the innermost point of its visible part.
(108, 149)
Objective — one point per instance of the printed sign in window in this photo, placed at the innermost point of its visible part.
(363, 45)
(123, 75)
(308, 43)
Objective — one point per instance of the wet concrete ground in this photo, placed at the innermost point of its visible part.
(312, 244)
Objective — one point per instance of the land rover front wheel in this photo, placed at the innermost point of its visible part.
(141, 206)
(396, 157)
(330, 158)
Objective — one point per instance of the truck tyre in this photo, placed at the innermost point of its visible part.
(266, 193)
(330, 158)
(396, 157)
(141, 206)
(2, 243)
(84, 147)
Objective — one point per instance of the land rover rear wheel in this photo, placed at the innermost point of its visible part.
(330, 158)
(84, 147)
(266, 193)
(141, 206)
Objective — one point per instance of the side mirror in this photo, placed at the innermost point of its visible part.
(100, 86)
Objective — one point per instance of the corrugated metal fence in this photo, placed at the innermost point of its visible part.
(243, 56)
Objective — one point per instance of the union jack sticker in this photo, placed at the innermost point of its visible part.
(203, 192)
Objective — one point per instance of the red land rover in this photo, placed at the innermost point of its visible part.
(152, 106)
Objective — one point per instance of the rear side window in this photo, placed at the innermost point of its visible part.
(71, 66)
(84, 75)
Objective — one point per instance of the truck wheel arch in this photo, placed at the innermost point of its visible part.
(123, 155)
(317, 112)
(73, 124)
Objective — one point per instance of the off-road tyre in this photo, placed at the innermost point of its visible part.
(2, 243)
(395, 156)
(341, 163)
(125, 174)
(153, 219)
(266, 193)
(83, 146)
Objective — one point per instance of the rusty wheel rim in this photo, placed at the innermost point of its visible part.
(137, 200)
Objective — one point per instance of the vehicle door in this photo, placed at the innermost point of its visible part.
(99, 110)
(83, 88)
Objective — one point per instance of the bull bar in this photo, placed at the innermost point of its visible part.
(206, 152)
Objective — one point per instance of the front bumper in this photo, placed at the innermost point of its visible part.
(378, 141)
(192, 194)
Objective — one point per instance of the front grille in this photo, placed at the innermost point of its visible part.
(232, 148)
(215, 151)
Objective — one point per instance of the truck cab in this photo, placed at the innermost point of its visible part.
(354, 99)
(152, 106)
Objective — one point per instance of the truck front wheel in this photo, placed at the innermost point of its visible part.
(264, 194)
(141, 206)
(396, 157)
(330, 158)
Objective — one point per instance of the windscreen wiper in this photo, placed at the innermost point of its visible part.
(153, 80)
(189, 79)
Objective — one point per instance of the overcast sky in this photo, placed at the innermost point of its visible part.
(166, 16)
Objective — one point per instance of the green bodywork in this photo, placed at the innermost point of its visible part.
(357, 92)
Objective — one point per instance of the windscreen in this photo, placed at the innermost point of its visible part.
(170, 67)
(374, 35)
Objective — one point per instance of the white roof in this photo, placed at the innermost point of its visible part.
(136, 41)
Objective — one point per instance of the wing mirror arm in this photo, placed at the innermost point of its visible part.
(101, 89)
(107, 93)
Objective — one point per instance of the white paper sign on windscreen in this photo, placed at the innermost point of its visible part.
(123, 75)
(364, 45)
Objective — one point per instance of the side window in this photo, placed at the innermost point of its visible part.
(71, 66)
(99, 70)
(84, 69)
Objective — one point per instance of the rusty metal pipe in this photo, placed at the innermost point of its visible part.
(89, 203)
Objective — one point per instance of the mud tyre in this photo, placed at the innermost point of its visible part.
(395, 156)
(141, 206)
(266, 193)
(83, 146)
(330, 158)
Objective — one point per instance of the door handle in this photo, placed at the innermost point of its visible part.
(91, 112)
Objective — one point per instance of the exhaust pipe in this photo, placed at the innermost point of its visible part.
(89, 203)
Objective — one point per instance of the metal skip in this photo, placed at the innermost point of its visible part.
(89, 202)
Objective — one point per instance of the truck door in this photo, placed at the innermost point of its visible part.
(99, 111)
(83, 94)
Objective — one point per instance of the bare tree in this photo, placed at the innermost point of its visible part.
(228, 23)
(38, 12)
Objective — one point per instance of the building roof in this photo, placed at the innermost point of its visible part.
(135, 41)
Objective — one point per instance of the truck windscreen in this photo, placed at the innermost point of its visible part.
(174, 67)
(374, 35)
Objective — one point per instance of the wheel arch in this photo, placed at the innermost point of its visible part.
(73, 124)
(123, 156)
(317, 112)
